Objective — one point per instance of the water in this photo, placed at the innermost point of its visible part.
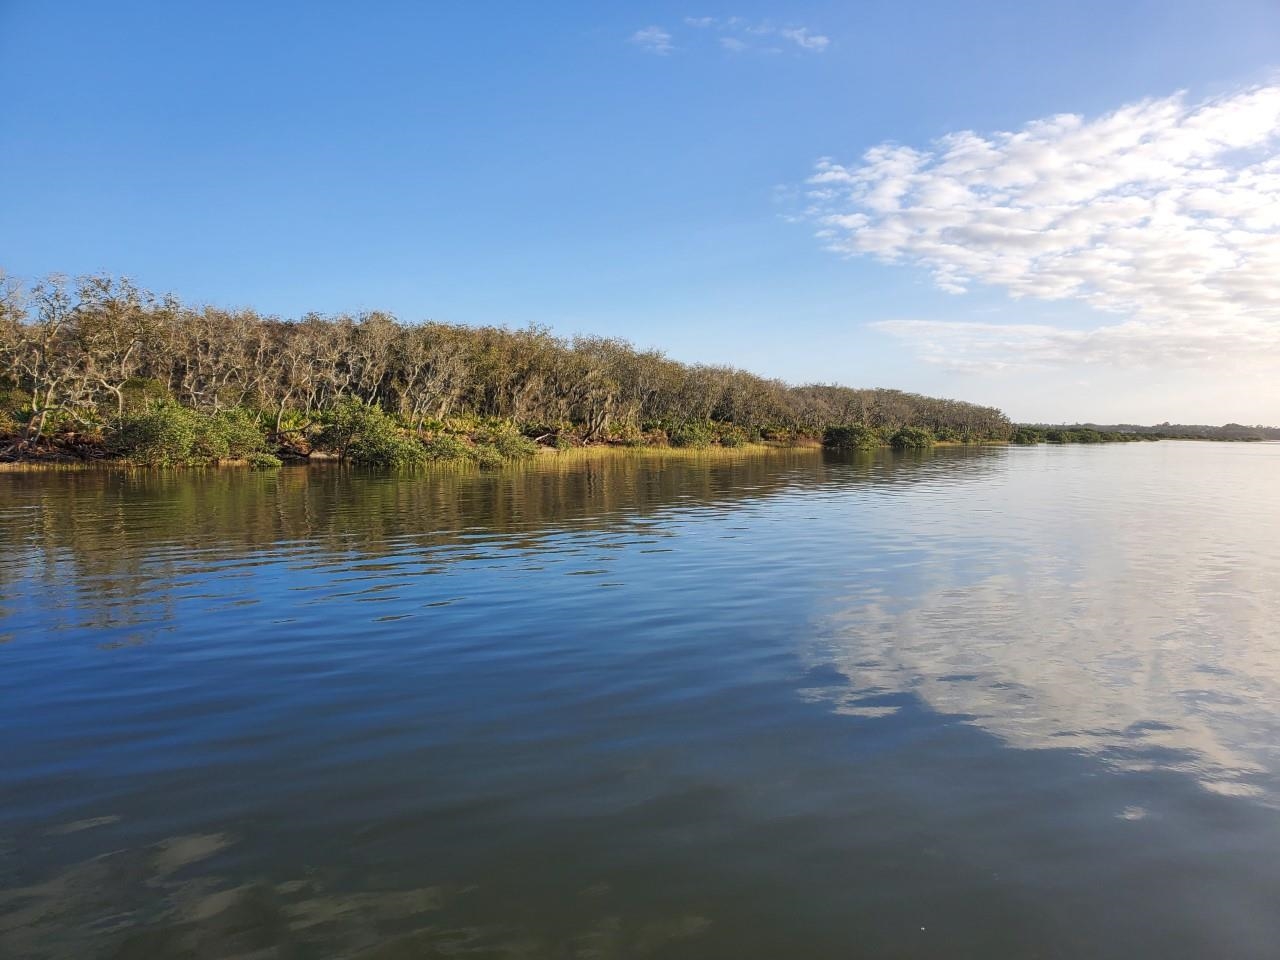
(969, 703)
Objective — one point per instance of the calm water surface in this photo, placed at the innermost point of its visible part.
(974, 703)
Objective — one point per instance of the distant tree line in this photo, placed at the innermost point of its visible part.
(1111, 433)
(96, 357)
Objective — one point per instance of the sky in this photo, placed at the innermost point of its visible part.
(1070, 211)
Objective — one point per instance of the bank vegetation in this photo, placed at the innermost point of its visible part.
(99, 368)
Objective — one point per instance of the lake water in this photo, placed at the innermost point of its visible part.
(973, 703)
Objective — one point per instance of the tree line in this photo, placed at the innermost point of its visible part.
(83, 356)
(1159, 431)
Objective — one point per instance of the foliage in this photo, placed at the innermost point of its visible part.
(912, 438)
(263, 461)
(628, 435)
(447, 447)
(100, 353)
(140, 392)
(9, 425)
(163, 434)
(167, 382)
(853, 437)
(367, 435)
(730, 435)
(1081, 435)
(12, 405)
(487, 455)
(239, 432)
(103, 347)
(506, 440)
(691, 434)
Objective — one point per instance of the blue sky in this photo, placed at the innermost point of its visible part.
(648, 171)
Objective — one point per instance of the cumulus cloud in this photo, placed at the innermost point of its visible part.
(653, 40)
(1164, 212)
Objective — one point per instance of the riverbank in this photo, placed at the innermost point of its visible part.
(69, 462)
(61, 458)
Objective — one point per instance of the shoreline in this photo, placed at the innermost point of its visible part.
(594, 451)
(542, 454)
(69, 463)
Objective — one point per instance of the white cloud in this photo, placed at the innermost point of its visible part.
(1164, 212)
(802, 38)
(653, 40)
(736, 35)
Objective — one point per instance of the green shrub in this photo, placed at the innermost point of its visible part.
(239, 431)
(503, 437)
(211, 443)
(912, 438)
(775, 434)
(513, 446)
(264, 461)
(628, 435)
(730, 435)
(293, 421)
(487, 455)
(853, 437)
(1027, 436)
(366, 435)
(691, 434)
(162, 434)
(447, 447)
(1058, 435)
(432, 425)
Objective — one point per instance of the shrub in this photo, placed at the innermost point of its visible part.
(691, 434)
(628, 435)
(211, 443)
(446, 447)
(912, 438)
(1058, 435)
(487, 455)
(236, 432)
(729, 435)
(776, 434)
(854, 437)
(513, 446)
(264, 461)
(1027, 436)
(162, 434)
(367, 435)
